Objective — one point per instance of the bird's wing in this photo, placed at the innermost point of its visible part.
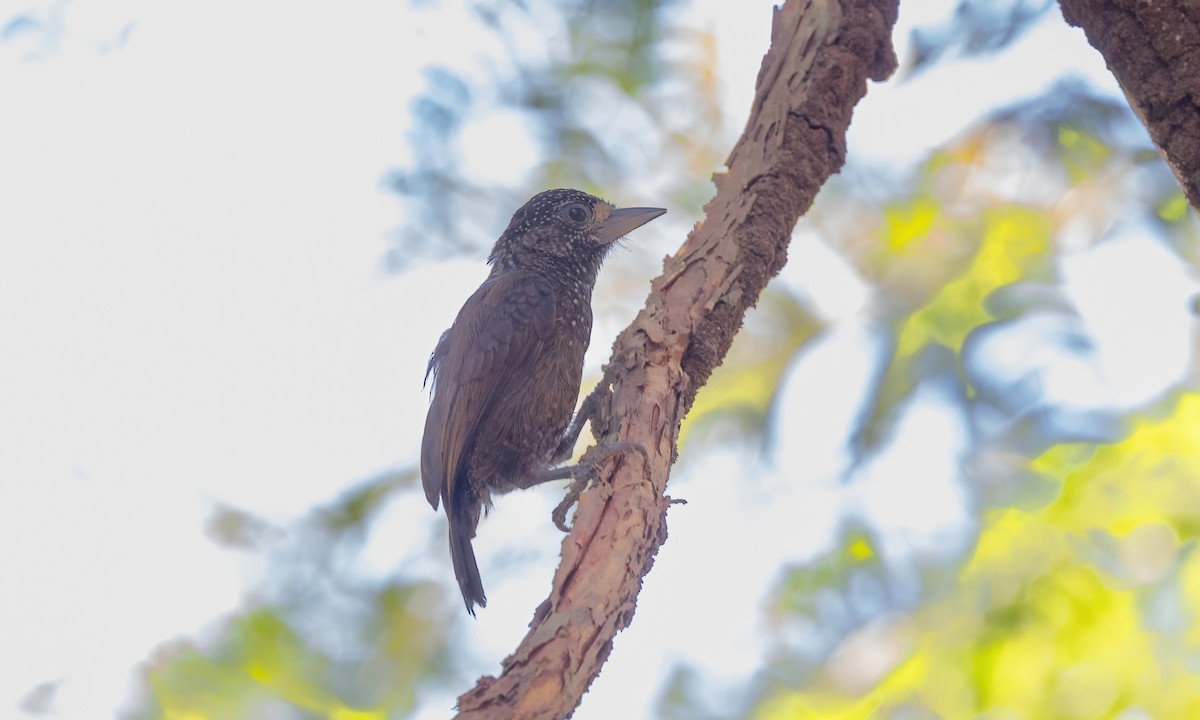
(499, 328)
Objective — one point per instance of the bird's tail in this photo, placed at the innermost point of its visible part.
(465, 568)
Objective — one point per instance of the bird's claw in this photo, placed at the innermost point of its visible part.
(587, 471)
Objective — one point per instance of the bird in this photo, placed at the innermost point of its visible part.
(507, 373)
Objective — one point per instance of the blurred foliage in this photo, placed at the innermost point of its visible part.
(321, 640)
(1082, 608)
(972, 247)
(617, 96)
(1079, 597)
(978, 27)
(264, 666)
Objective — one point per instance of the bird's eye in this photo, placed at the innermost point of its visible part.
(575, 213)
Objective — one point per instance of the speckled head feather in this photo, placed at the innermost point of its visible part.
(553, 225)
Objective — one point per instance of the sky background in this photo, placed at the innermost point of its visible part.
(194, 312)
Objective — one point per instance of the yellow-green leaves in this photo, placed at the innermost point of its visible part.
(1014, 244)
(1066, 611)
(264, 666)
(1151, 477)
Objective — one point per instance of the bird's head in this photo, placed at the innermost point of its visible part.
(564, 228)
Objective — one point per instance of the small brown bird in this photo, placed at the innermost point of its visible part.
(506, 374)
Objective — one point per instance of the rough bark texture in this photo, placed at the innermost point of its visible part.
(822, 53)
(1152, 47)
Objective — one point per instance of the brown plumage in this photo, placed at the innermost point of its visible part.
(506, 374)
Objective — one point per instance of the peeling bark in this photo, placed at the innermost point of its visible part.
(1152, 47)
(822, 53)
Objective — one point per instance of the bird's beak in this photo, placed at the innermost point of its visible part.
(624, 221)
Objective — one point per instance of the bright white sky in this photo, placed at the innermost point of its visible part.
(192, 312)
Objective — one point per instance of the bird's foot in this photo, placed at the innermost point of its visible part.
(587, 471)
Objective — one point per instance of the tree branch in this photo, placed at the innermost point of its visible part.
(1153, 49)
(822, 52)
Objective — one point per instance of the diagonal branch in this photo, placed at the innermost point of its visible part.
(822, 53)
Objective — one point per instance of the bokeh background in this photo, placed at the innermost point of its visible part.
(950, 469)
